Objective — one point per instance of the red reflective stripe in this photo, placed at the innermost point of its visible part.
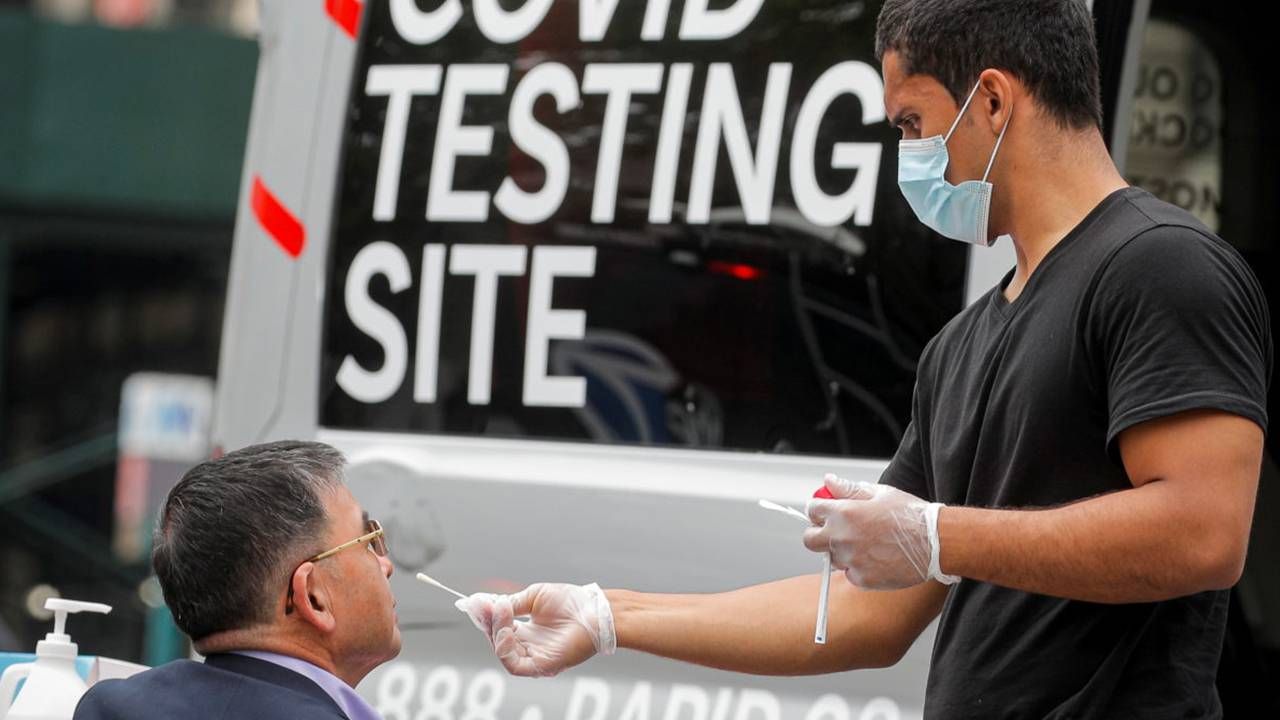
(279, 223)
(346, 13)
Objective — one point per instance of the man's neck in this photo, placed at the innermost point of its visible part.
(268, 640)
(1046, 197)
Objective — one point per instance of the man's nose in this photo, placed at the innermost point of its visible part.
(387, 567)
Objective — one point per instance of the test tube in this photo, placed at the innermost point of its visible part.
(820, 632)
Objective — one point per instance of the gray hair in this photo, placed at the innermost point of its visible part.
(234, 528)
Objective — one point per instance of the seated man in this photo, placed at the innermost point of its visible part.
(268, 563)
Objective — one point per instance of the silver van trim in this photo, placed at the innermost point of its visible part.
(743, 476)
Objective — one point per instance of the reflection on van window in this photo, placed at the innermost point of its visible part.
(622, 232)
(1199, 139)
(1175, 146)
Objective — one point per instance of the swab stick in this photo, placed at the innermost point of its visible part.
(432, 581)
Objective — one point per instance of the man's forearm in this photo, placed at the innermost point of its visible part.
(768, 629)
(1140, 545)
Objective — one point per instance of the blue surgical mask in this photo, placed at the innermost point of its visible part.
(956, 211)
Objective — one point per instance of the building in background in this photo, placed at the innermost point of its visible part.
(235, 16)
(122, 133)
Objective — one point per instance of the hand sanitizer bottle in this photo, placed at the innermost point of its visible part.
(53, 687)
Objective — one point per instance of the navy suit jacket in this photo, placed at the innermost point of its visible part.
(223, 687)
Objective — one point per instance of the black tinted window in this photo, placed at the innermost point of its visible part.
(731, 267)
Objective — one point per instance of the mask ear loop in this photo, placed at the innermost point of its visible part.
(956, 123)
(999, 140)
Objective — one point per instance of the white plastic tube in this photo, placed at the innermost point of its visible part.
(820, 631)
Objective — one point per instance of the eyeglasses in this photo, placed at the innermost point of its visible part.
(375, 538)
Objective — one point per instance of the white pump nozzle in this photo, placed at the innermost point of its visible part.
(61, 608)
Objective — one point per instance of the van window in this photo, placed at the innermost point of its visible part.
(677, 232)
(1175, 146)
(1199, 139)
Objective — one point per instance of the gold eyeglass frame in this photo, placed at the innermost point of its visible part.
(368, 537)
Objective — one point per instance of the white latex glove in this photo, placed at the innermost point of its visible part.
(883, 538)
(567, 625)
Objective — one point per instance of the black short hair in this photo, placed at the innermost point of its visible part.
(1049, 45)
(233, 529)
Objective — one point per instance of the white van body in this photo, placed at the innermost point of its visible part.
(474, 251)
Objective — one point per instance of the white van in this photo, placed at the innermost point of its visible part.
(573, 284)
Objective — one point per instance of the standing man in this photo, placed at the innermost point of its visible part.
(269, 564)
(1075, 491)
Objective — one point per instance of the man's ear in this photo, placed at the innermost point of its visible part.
(312, 599)
(996, 96)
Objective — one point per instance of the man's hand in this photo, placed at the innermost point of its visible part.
(567, 625)
(882, 537)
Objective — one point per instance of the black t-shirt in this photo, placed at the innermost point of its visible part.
(1138, 313)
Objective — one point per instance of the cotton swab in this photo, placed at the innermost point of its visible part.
(432, 581)
(436, 583)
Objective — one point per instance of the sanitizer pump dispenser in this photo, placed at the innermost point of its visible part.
(53, 687)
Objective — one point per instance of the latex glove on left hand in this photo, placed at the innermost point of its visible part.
(567, 625)
(881, 537)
